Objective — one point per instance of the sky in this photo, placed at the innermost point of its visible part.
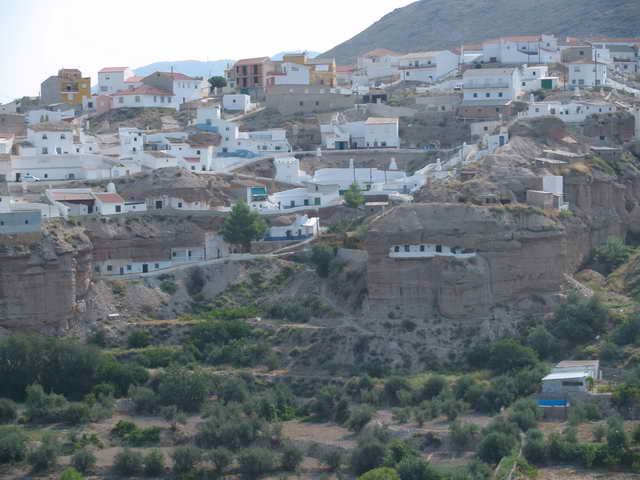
(38, 37)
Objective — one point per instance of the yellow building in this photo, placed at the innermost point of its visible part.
(73, 86)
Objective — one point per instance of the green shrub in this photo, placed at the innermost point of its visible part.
(121, 375)
(139, 339)
(154, 463)
(71, 473)
(534, 449)
(321, 256)
(462, 435)
(612, 253)
(494, 446)
(45, 456)
(359, 417)
(168, 286)
(185, 389)
(414, 468)
(580, 319)
(381, 473)
(255, 461)
(131, 434)
(525, 413)
(83, 460)
(128, 463)
(367, 456)
(599, 431)
(13, 444)
(221, 459)
(291, 458)
(434, 385)
(8, 411)
(185, 458)
(144, 399)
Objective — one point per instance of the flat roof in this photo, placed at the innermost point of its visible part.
(566, 375)
(381, 120)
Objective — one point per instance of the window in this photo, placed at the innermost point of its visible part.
(317, 103)
(156, 266)
(120, 99)
(129, 267)
(301, 103)
(45, 150)
(306, 202)
(118, 209)
(407, 248)
(500, 94)
(44, 136)
(46, 175)
(475, 95)
(422, 248)
(487, 94)
(109, 268)
(63, 136)
(26, 222)
(396, 249)
(439, 248)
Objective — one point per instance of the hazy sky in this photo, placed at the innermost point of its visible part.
(37, 37)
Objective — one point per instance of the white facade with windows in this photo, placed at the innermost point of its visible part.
(586, 74)
(427, 67)
(144, 97)
(497, 84)
(522, 49)
(113, 79)
(378, 63)
(237, 103)
(290, 74)
(429, 250)
(303, 227)
(375, 132)
(570, 112)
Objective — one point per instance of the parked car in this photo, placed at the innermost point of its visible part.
(29, 178)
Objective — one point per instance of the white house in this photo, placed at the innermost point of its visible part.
(183, 87)
(532, 77)
(375, 132)
(288, 170)
(586, 73)
(570, 112)
(113, 79)
(521, 49)
(237, 103)
(378, 63)
(6, 143)
(381, 132)
(144, 96)
(296, 199)
(301, 227)
(109, 203)
(498, 84)
(45, 115)
(290, 73)
(235, 142)
(427, 67)
(62, 167)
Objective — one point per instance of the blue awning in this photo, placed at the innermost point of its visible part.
(552, 403)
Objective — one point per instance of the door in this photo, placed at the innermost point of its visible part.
(158, 204)
(145, 268)
(18, 175)
(121, 270)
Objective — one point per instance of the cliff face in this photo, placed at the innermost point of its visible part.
(518, 253)
(44, 281)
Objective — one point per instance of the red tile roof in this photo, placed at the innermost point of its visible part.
(143, 90)
(344, 68)
(175, 75)
(109, 197)
(134, 79)
(113, 69)
(70, 196)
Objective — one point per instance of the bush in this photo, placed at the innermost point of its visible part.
(359, 417)
(599, 432)
(367, 456)
(255, 461)
(13, 444)
(291, 458)
(414, 468)
(83, 460)
(196, 281)
(333, 460)
(434, 385)
(45, 456)
(121, 375)
(496, 445)
(221, 459)
(128, 463)
(71, 474)
(144, 400)
(525, 413)
(139, 339)
(381, 473)
(185, 389)
(580, 319)
(154, 463)
(612, 254)
(321, 256)
(185, 459)
(543, 342)
(462, 435)
(508, 355)
(534, 449)
(169, 287)
(8, 411)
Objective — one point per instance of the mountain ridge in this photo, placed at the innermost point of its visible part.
(436, 24)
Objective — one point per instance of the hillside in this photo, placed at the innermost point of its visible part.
(194, 68)
(432, 24)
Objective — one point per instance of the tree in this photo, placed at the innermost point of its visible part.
(580, 319)
(321, 256)
(185, 459)
(83, 460)
(221, 459)
(414, 468)
(8, 411)
(353, 196)
(382, 473)
(534, 448)
(494, 446)
(359, 417)
(216, 82)
(508, 355)
(291, 458)
(242, 226)
(13, 444)
(333, 460)
(44, 457)
(185, 389)
(128, 463)
(432, 387)
(367, 456)
(154, 463)
(255, 461)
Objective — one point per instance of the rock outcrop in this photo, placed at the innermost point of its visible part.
(518, 252)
